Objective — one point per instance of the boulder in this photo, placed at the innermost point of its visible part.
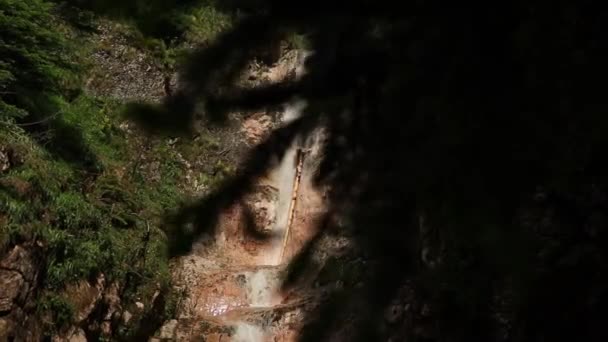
(111, 300)
(84, 297)
(20, 260)
(73, 335)
(167, 331)
(18, 271)
(11, 286)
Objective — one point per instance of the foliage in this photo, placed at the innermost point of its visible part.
(166, 20)
(35, 66)
(85, 233)
(76, 185)
(203, 23)
(59, 308)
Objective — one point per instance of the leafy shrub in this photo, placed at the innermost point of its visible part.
(59, 308)
(35, 65)
(75, 212)
(203, 23)
(79, 189)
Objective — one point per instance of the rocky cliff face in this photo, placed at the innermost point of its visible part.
(98, 310)
(19, 276)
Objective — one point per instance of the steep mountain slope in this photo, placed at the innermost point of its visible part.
(83, 193)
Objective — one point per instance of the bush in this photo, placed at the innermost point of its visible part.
(81, 189)
(59, 308)
(35, 67)
(74, 212)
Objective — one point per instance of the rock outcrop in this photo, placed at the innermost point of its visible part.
(19, 274)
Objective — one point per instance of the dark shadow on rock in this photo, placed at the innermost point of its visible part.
(152, 320)
(487, 121)
(200, 219)
(251, 228)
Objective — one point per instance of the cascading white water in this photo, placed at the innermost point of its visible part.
(263, 284)
(247, 333)
(284, 175)
(261, 287)
(234, 287)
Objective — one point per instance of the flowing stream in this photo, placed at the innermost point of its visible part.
(264, 284)
(234, 290)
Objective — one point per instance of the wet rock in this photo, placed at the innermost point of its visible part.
(167, 331)
(262, 203)
(231, 290)
(256, 128)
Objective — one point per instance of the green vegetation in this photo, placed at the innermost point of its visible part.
(89, 192)
(204, 23)
(88, 223)
(59, 311)
(166, 29)
(36, 66)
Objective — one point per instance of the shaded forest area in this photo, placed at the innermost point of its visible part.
(465, 152)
